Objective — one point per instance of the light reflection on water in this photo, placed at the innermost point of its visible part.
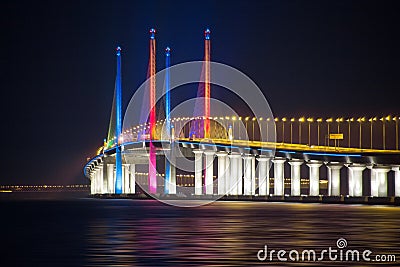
(146, 233)
(93, 232)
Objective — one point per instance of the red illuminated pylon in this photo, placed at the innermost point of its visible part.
(152, 178)
(207, 83)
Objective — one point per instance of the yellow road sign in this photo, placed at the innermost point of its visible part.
(336, 136)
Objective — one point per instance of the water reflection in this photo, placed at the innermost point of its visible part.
(147, 233)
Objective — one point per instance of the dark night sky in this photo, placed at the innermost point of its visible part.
(319, 58)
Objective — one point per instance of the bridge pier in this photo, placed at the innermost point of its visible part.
(98, 181)
(228, 177)
(334, 178)
(169, 176)
(396, 170)
(253, 175)
(374, 185)
(92, 183)
(381, 180)
(125, 178)
(235, 160)
(198, 181)
(208, 179)
(222, 172)
(104, 178)
(355, 179)
(263, 175)
(110, 178)
(132, 178)
(279, 179)
(247, 175)
(239, 176)
(295, 176)
(172, 185)
(314, 178)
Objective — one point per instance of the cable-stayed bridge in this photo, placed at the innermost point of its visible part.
(208, 154)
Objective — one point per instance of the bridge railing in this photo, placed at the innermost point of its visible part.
(324, 133)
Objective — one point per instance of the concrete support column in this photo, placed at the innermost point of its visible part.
(374, 185)
(221, 172)
(99, 182)
(114, 178)
(228, 177)
(92, 183)
(355, 180)
(132, 178)
(209, 155)
(170, 175)
(263, 175)
(110, 178)
(381, 180)
(295, 176)
(104, 179)
(125, 179)
(172, 184)
(279, 176)
(396, 170)
(253, 175)
(198, 169)
(240, 175)
(314, 178)
(334, 178)
(234, 159)
(247, 175)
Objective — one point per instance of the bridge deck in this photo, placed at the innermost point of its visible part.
(292, 147)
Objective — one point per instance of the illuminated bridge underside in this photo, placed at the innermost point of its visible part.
(252, 174)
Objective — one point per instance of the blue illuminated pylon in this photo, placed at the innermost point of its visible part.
(167, 118)
(118, 126)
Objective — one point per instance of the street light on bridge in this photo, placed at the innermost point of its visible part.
(283, 129)
(329, 121)
(291, 130)
(310, 120)
(302, 119)
(253, 120)
(267, 126)
(349, 130)
(361, 120)
(338, 120)
(319, 120)
(240, 118)
(383, 119)
(371, 120)
(246, 125)
(233, 126)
